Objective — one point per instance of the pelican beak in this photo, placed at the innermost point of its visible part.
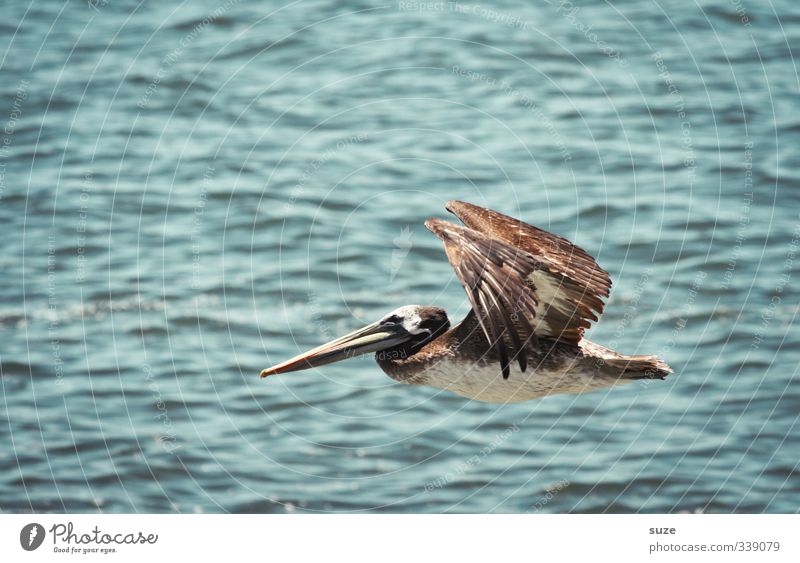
(371, 338)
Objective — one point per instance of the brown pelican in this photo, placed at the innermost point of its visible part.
(532, 293)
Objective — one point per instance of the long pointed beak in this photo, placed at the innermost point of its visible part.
(371, 338)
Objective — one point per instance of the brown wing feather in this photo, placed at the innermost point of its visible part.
(559, 253)
(518, 295)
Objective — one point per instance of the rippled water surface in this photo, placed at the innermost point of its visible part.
(192, 192)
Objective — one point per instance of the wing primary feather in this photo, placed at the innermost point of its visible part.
(496, 338)
(488, 327)
(498, 294)
(515, 316)
(518, 354)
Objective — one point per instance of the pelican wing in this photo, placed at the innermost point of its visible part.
(521, 292)
(559, 253)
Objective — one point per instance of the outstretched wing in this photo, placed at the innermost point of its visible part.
(559, 253)
(522, 282)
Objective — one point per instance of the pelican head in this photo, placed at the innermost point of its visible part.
(399, 334)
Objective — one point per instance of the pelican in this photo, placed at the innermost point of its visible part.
(532, 293)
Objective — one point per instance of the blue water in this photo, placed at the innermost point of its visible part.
(193, 191)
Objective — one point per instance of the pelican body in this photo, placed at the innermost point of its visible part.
(532, 293)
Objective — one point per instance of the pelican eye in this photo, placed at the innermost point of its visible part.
(394, 319)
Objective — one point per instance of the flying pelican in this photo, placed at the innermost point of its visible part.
(532, 293)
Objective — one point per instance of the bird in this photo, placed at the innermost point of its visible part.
(532, 296)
